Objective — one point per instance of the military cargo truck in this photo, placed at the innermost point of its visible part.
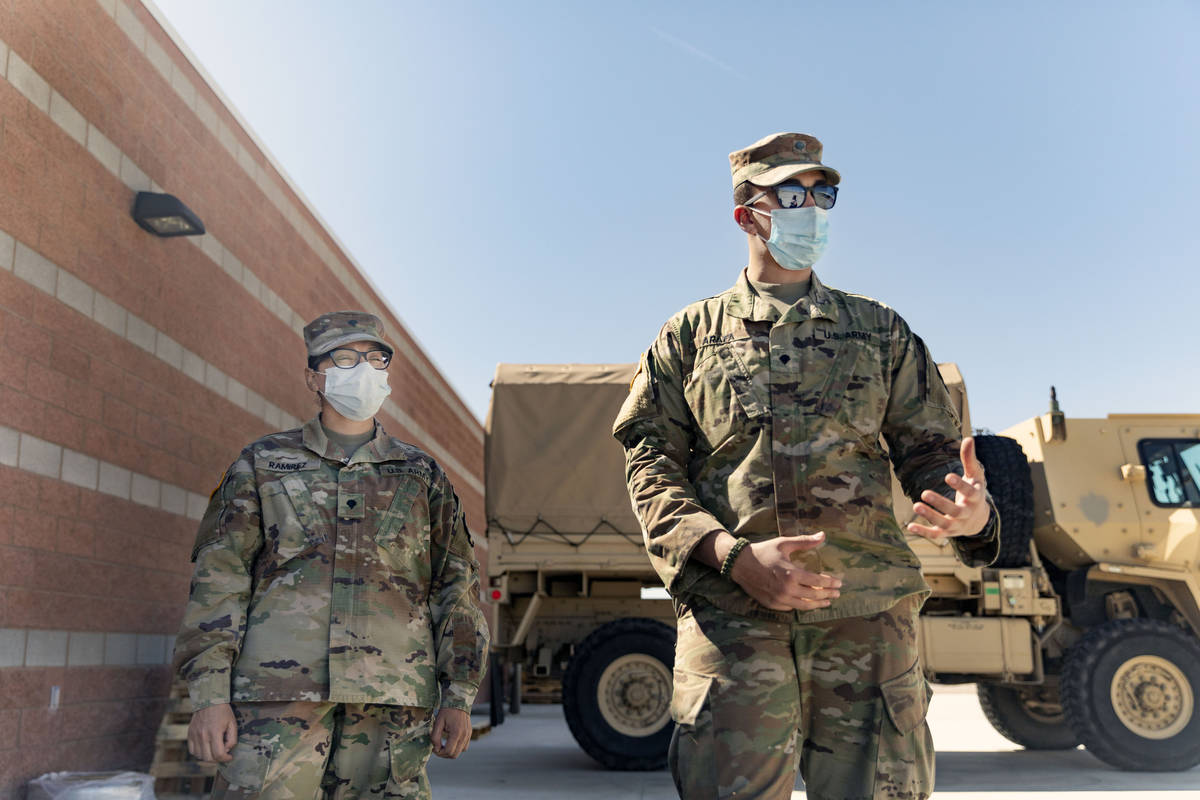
(1085, 631)
(566, 563)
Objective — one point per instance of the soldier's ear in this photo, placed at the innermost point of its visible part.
(314, 380)
(744, 218)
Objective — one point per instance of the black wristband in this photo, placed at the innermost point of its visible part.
(731, 556)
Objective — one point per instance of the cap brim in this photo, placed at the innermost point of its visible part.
(779, 174)
(351, 338)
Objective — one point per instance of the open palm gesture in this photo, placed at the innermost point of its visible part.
(967, 513)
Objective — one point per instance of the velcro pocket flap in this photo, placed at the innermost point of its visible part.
(741, 383)
(407, 487)
(907, 698)
(302, 503)
(840, 373)
(248, 769)
(688, 696)
(408, 740)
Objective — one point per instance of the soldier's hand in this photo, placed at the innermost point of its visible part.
(451, 733)
(212, 733)
(967, 513)
(766, 572)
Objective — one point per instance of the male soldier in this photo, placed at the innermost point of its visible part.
(333, 599)
(754, 460)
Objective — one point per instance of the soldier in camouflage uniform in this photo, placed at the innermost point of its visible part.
(332, 639)
(754, 433)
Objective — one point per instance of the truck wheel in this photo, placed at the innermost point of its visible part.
(1028, 716)
(617, 693)
(1129, 690)
(1011, 487)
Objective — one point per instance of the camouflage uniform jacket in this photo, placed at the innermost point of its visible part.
(321, 577)
(762, 425)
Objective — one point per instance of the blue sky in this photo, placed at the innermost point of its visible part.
(548, 181)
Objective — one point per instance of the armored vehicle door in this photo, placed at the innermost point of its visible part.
(1162, 468)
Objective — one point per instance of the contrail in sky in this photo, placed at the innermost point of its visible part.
(696, 51)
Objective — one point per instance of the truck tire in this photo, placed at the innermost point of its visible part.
(1011, 486)
(1020, 715)
(1130, 689)
(617, 693)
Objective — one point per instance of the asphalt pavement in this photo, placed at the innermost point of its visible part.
(532, 756)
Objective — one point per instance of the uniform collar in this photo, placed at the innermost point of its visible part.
(745, 303)
(379, 448)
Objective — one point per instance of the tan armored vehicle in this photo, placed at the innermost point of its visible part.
(1085, 631)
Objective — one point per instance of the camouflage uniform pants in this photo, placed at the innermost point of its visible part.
(843, 701)
(300, 751)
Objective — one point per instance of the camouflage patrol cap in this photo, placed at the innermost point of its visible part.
(775, 158)
(339, 328)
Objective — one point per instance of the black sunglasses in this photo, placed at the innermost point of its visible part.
(793, 195)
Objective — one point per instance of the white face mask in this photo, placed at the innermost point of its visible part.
(358, 392)
(798, 235)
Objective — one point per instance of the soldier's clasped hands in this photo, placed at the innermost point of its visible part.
(766, 571)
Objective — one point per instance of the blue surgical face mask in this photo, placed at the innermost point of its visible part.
(798, 235)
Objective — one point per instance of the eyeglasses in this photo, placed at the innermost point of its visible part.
(345, 358)
(792, 195)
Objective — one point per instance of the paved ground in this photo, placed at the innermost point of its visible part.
(533, 757)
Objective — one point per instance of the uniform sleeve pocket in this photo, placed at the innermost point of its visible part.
(642, 400)
(689, 696)
(209, 531)
(907, 698)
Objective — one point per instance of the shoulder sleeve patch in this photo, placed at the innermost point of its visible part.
(209, 531)
(642, 401)
(217, 488)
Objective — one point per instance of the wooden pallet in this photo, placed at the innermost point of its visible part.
(177, 774)
(541, 691)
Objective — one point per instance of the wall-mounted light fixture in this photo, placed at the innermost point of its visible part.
(165, 215)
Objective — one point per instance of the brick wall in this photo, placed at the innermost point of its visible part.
(133, 369)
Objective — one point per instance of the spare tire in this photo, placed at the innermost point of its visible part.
(1011, 486)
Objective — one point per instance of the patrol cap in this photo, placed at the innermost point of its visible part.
(337, 328)
(775, 158)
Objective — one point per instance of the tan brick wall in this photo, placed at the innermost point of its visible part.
(133, 369)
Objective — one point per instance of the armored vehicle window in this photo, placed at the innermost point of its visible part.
(1172, 471)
